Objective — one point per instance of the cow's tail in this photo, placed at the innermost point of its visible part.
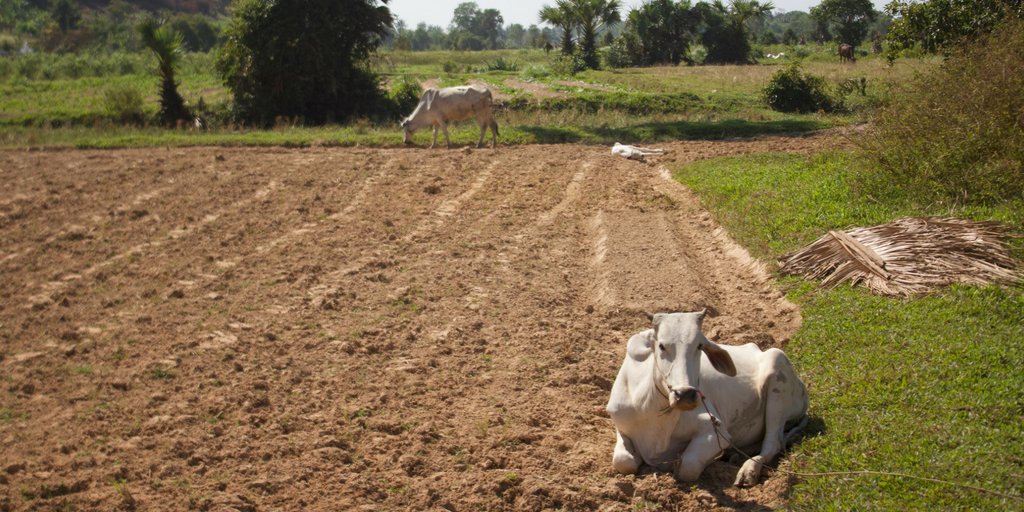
(494, 126)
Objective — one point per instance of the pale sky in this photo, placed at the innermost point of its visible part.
(524, 12)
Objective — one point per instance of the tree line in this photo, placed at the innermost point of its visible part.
(308, 59)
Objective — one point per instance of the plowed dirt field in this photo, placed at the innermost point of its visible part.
(351, 328)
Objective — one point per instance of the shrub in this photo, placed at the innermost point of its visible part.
(449, 66)
(535, 72)
(303, 58)
(568, 65)
(619, 55)
(8, 43)
(500, 64)
(792, 90)
(123, 103)
(403, 98)
(956, 133)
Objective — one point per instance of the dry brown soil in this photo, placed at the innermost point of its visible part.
(350, 328)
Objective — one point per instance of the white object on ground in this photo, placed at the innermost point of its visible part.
(635, 152)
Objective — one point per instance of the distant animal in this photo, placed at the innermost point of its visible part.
(776, 55)
(635, 152)
(846, 53)
(438, 106)
(680, 400)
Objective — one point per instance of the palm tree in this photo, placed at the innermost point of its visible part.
(166, 43)
(746, 10)
(562, 16)
(592, 16)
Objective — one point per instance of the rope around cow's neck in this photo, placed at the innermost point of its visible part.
(715, 422)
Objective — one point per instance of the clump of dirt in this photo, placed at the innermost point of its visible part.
(335, 328)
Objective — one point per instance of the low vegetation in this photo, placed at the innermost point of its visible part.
(792, 90)
(957, 133)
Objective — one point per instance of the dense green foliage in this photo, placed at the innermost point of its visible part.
(658, 32)
(849, 20)
(922, 386)
(724, 29)
(792, 90)
(475, 29)
(957, 133)
(124, 104)
(303, 59)
(940, 25)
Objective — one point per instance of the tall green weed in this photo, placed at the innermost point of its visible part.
(955, 134)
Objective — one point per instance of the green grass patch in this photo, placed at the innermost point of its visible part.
(774, 203)
(928, 386)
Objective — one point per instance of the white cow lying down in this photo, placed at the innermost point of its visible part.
(438, 106)
(635, 152)
(656, 406)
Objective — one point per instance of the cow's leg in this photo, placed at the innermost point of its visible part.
(434, 143)
(624, 458)
(483, 130)
(784, 400)
(444, 126)
(703, 448)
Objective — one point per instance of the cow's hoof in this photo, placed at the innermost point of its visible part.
(749, 474)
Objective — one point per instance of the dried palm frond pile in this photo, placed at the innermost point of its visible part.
(908, 256)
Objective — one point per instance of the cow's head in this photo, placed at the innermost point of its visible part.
(406, 130)
(677, 343)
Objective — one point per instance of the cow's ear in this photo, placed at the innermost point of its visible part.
(720, 359)
(656, 319)
(640, 346)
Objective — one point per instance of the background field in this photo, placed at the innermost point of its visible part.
(541, 102)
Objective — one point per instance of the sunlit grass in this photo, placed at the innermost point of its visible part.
(929, 386)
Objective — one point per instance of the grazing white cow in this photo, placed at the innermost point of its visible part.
(675, 384)
(438, 106)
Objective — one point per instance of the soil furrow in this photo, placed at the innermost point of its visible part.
(346, 328)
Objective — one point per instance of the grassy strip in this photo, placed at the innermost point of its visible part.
(593, 131)
(928, 386)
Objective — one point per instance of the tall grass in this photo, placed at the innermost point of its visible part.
(957, 133)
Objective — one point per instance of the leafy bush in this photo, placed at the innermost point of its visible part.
(956, 134)
(303, 58)
(500, 64)
(8, 44)
(123, 103)
(619, 55)
(792, 90)
(535, 72)
(568, 65)
(403, 98)
(449, 66)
